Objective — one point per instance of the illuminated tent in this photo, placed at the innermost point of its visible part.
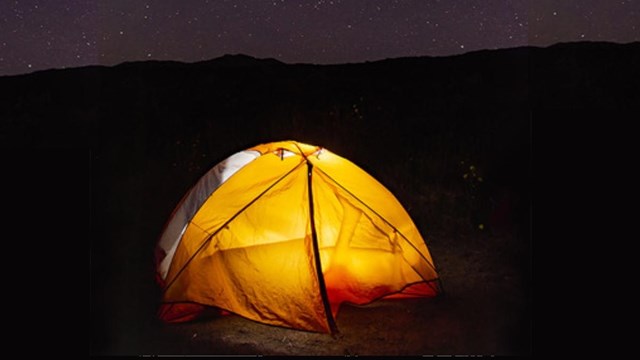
(285, 232)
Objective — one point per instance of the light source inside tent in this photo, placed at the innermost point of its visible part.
(252, 242)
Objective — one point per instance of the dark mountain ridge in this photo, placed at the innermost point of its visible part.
(477, 105)
(430, 112)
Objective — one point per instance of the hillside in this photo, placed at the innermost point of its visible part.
(415, 124)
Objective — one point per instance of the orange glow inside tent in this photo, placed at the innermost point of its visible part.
(283, 233)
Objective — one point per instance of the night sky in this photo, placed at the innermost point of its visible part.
(44, 34)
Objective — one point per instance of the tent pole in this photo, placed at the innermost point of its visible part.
(316, 252)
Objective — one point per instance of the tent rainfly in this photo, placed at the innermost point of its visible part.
(283, 233)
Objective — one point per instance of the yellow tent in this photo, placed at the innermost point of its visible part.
(285, 232)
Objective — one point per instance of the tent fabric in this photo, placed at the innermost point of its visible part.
(194, 199)
(250, 242)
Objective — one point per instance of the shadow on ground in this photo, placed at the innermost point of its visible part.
(484, 312)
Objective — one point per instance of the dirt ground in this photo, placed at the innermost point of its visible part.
(486, 310)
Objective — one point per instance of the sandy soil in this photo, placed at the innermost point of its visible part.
(485, 311)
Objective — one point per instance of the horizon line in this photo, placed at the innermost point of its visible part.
(272, 59)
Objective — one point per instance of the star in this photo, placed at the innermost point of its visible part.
(304, 31)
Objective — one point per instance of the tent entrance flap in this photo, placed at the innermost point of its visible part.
(316, 253)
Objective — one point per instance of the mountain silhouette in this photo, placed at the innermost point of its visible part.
(72, 106)
(418, 115)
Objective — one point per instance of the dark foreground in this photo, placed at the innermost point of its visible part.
(483, 313)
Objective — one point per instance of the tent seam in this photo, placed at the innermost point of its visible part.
(208, 239)
(383, 219)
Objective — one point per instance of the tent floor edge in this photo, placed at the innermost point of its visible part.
(316, 253)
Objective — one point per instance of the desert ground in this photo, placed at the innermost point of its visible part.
(485, 311)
